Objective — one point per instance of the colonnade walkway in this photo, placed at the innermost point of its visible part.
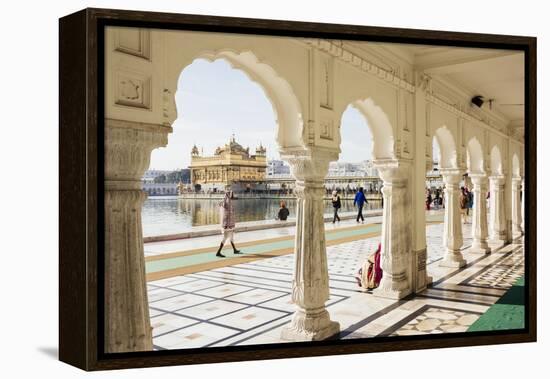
(197, 300)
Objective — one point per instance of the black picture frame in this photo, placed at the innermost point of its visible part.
(81, 187)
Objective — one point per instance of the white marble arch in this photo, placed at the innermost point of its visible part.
(496, 161)
(396, 239)
(447, 148)
(286, 107)
(379, 126)
(475, 161)
(516, 168)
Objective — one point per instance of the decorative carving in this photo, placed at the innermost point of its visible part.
(133, 41)
(336, 51)
(327, 130)
(133, 90)
(310, 289)
(128, 147)
(452, 235)
(497, 226)
(479, 218)
(326, 83)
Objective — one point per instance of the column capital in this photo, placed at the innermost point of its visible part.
(479, 178)
(498, 180)
(128, 147)
(393, 171)
(309, 165)
(517, 180)
(451, 176)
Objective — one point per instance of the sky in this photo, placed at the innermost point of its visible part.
(214, 101)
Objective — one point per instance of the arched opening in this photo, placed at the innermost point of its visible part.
(447, 147)
(286, 107)
(354, 169)
(496, 161)
(475, 157)
(379, 126)
(516, 169)
(226, 103)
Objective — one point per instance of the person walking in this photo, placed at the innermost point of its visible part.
(359, 201)
(463, 200)
(428, 199)
(337, 204)
(437, 201)
(283, 212)
(227, 222)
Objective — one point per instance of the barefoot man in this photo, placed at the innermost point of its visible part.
(227, 222)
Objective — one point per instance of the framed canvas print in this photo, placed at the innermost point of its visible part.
(241, 189)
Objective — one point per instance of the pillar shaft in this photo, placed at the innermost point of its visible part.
(396, 236)
(128, 148)
(310, 284)
(523, 205)
(452, 233)
(479, 220)
(517, 229)
(497, 227)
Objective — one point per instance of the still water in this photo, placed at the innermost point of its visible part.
(169, 215)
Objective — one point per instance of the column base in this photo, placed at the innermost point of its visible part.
(479, 248)
(391, 290)
(497, 244)
(453, 259)
(517, 233)
(310, 326)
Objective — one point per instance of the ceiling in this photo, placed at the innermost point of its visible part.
(497, 75)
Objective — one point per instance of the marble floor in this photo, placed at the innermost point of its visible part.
(250, 303)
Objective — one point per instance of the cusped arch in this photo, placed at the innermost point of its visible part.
(496, 161)
(279, 92)
(475, 156)
(379, 126)
(447, 148)
(516, 168)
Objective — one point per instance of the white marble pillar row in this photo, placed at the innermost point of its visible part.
(479, 218)
(517, 230)
(310, 285)
(396, 236)
(523, 205)
(452, 225)
(128, 148)
(497, 224)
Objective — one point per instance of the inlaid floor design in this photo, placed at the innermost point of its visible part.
(433, 320)
(250, 303)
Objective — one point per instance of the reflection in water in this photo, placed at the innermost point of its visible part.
(171, 215)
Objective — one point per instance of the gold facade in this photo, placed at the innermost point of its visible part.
(231, 165)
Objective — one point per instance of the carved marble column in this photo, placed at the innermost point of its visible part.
(517, 230)
(128, 147)
(497, 225)
(310, 285)
(396, 236)
(452, 229)
(479, 218)
(523, 205)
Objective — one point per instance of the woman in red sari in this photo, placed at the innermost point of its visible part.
(370, 273)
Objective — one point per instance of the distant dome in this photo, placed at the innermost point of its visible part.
(233, 147)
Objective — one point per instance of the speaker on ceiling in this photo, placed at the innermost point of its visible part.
(477, 100)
